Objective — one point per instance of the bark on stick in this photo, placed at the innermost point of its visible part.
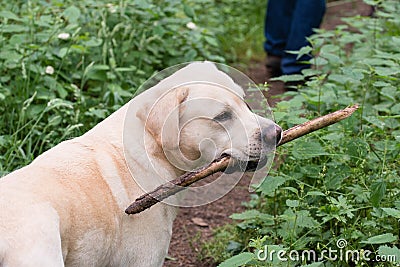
(171, 188)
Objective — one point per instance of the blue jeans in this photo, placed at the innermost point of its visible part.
(287, 24)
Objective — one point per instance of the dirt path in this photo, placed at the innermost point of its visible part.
(194, 224)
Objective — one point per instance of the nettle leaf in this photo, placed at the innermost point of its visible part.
(279, 116)
(332, 58)
(211, 40)
(392, 252)
(392, 123)
(189, 11)
(9, 15)
(292, 203)
(234, 247)
(381, 84)
(319, 61)
(301, 219)
(289, 78)
(383, 107)
(380, 239)
(10, 55)
(253, 215)
(381, 71)
(338, 78)
(352, 38)
(246, 215)
(379, 62)
(329, 48)
(305, 220)
(238, 260)
(390, 92)
(12, 28)
(270, 184)
(190, 55)
(72, 13)
(378, 190)
(392, 212)
(335, 136)
(303, 51)
(291, 189)
(396, 135)
(335, 175)
(295, 120)
(311, 72)
(93, 42)
(308, 149)
(352, 73)
(375, 121)
(396, 41)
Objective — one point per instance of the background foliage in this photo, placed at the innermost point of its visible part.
(341, 182)
(65, 65)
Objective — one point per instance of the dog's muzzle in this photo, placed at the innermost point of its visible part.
(246, 166)
(269, 138)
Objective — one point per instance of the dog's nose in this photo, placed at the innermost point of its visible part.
(272, 134)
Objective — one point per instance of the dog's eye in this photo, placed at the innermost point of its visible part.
(223, 116)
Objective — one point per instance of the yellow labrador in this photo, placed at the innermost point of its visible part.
(66, 208)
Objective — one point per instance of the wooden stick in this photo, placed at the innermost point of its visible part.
(171, 188)
(316, 124)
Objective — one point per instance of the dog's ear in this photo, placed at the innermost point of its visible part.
(161, 119)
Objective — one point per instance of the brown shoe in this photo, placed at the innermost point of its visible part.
(273, 66)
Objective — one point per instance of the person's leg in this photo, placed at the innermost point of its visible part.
(278, 20)
(307, 15)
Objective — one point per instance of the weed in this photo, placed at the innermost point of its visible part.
(64, 66)
(340, 183)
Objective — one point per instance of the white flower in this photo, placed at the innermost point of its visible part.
(191, 25)
(111, 8)
(64, 36)
(49, 70)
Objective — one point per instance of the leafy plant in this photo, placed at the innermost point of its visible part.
(66, 65)
(238, 26)
(340, 183)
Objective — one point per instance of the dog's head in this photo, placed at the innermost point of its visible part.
(198, 121)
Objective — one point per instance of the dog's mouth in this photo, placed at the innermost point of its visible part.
(237, 165)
